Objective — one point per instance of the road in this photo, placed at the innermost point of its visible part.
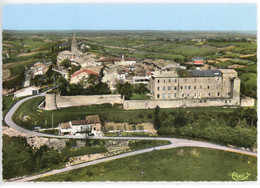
(175, 142)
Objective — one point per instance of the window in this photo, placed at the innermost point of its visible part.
(194, 87)
(158, 96)
(181, 87)
(169, 87)
(228, 93)
(175, 94)
(158, 81)
(208, 87)
(164, 81)
(158, 88)
(188, 95)
(182, 95)
(185, 87)
(163, 88)
(169, 80)
(175, 80)
(94, 128)
(163, 95)
(199, 94)
(200, 87)
(195, 95)
(175, 87)
(218, 94)
(209, 94)
(169, 95)
(189, 87)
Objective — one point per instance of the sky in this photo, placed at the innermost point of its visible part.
(201, 17)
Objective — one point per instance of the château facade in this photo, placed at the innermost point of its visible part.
(195, 84)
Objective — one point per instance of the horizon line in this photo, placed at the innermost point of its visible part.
(125, 30)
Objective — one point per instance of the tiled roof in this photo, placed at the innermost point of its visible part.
(84, 71)
(65, 125)
(200, 73)
(115, 59)
(79, 122)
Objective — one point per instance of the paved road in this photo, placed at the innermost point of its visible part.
(175, 142)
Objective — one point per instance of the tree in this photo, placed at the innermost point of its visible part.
(98, 89)
(91, 79)
(126, 90)
(180, 120)
(66, 63)
(141, 89)
(157, 123)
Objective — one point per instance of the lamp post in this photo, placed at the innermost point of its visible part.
(154, 143)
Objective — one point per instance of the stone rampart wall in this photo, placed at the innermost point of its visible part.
(247, 102)
(55, 101)
(146, 104)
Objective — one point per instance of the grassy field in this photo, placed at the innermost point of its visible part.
(20, 159)
(179, 164)
(107, 114)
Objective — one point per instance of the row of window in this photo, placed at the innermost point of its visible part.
(169, 81)
(175, 80)
(181, 87)
(183, 95)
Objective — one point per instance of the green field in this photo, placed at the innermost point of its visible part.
(179, 164)
(20, 159)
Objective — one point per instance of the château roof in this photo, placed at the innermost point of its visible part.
(200, 73)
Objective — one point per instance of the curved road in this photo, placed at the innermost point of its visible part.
(175, 142)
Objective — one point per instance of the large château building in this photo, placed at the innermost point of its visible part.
(195, 84)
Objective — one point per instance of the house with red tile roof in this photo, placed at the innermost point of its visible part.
(83, 74)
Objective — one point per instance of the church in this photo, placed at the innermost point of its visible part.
(72, 54)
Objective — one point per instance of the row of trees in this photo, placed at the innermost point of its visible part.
(65, 88)
(236, 128)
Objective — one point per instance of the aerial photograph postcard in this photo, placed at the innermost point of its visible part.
(129, 93)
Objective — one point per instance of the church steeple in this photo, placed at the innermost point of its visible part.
(74, 45)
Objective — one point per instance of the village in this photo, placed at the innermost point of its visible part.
(130, 92)
(162, 83)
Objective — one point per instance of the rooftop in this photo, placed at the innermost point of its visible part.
(84, 71)
(65, 125)
(163, 74)
(200, 73)
(190, 73)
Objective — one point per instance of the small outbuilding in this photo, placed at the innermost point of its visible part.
(33, 90)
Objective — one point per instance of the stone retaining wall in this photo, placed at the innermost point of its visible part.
(55, 101)
(146, 104)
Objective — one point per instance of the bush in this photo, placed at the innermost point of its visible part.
(150, 116)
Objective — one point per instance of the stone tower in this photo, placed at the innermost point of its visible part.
(74, 45)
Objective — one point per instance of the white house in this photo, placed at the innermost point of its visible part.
(91, 124)
(33, 90)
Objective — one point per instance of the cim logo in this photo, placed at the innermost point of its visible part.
(239, 176)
